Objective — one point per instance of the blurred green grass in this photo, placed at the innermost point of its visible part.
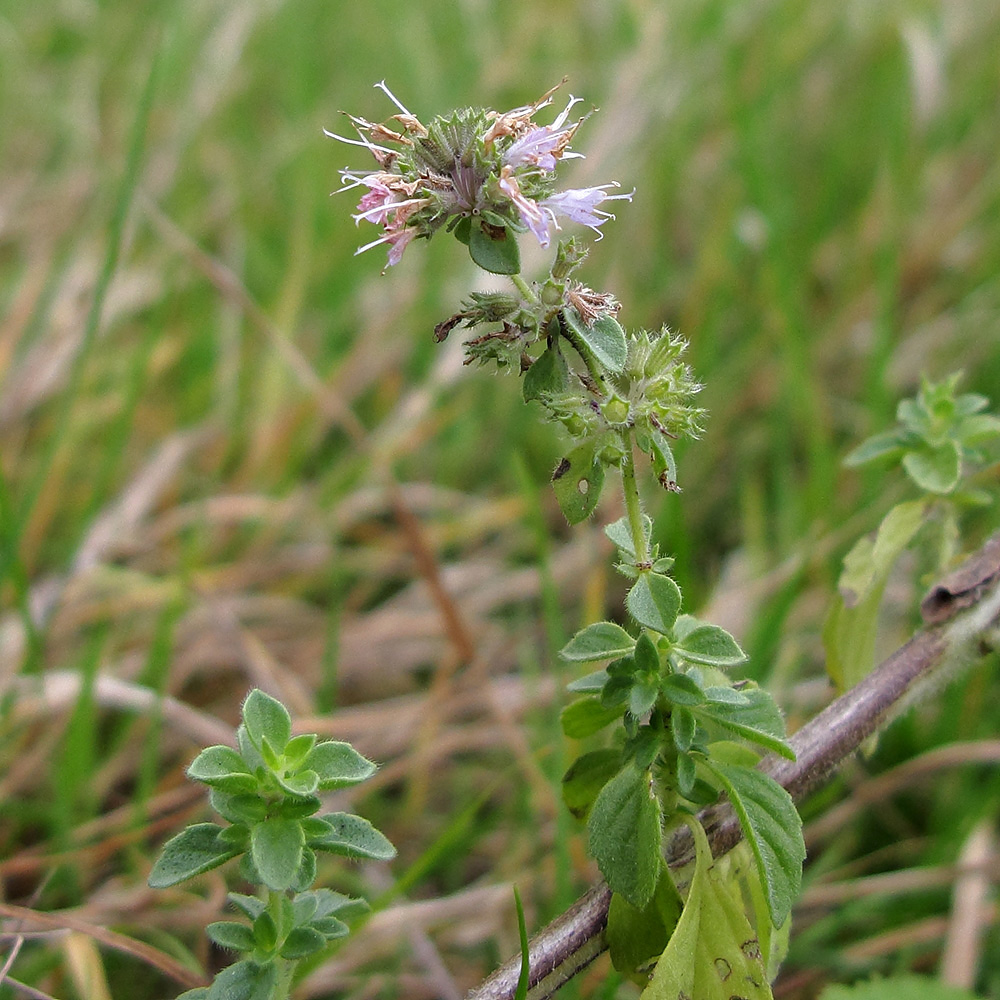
(194, 492)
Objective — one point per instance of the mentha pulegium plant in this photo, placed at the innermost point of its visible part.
(686, 733)
(267, 791)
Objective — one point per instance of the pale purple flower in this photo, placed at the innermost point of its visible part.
(531, 212)
(580, 205)
(544, 146)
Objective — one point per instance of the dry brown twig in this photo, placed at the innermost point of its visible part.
(966, 621)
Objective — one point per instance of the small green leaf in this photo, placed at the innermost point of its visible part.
(889, 443)
(222, 767)
(683, 727)
(336, 902)
(654, 601)
(978, 429)
(304, 907)
(849, 631)
(330, 927)
(586, 776)
(713, 953)
(276, 847)
(298, 748)
(604, 338)
(353, 837)
(936, 470)
(302, 941)
(577, 482)
(624, 835)
(193, 851)
(586, 716)
(494, 249)
(682, 690)
(244, 981)
(307, 870)
(242, 808)
(463, 230)
(687, 772)
(548, 375)
(590, 684)
(711, 645)
(620, 534)
(266, 718)
(231, 935)
(265, 932)
(637, 937)
(646, 656)
(600, 641)
(297, 807)
(773, 829)
(338, 765)
(302, 783)
(251, 906)
(758, 720)
(642, 697)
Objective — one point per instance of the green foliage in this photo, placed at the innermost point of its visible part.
(713, 953)
(851, 625)
(624, 834)
(939, 435)
(266, 791)
(903, 987)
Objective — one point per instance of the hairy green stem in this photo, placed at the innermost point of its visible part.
(524, 288)
(632, 505)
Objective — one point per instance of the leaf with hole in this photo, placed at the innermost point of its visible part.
(713, 953)
(577, 482)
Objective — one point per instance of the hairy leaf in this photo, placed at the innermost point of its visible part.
(586, 716)
(276, 847)
(577, 482)
(605, 339)
(193, 851)
(600, 641)
(222, 767)
(757, 719)
(637, 937)
(549, 374)
(585, 778)
(231, 935)
(773, 829)
(266, 719)
(712, 646)
(353, 837)
(624, 834)
(338, 765)
(495, 250)
(654, 601)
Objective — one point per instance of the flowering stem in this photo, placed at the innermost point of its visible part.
(632, 505)
(524, 288)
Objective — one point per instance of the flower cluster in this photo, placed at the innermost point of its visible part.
(484, 174)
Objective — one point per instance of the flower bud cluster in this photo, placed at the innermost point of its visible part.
(483, 174)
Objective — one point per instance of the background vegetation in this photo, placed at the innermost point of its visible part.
(232, 455)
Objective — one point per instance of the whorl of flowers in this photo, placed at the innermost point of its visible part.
(485, 175)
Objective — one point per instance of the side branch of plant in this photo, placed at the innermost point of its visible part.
(969, 625)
